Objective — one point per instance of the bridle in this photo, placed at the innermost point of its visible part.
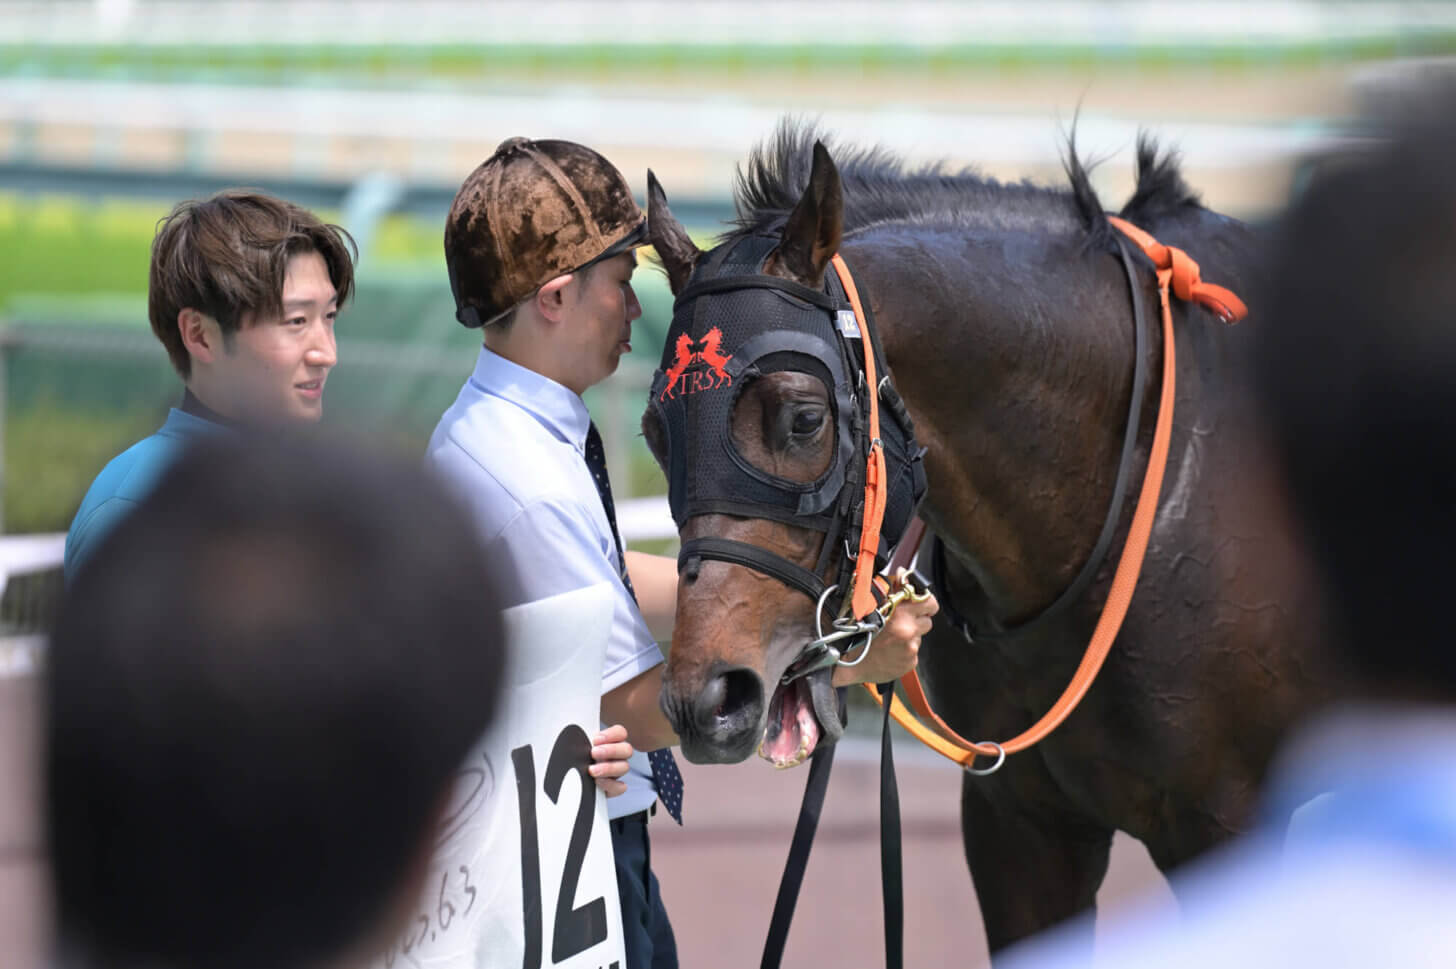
(868, 495)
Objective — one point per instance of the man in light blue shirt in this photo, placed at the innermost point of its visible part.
(540, 245)
(251, 336)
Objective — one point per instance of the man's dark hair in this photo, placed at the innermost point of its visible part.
(227, 257)
(260, 689)
(1356, 364)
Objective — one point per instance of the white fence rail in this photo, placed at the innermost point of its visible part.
(20, 554)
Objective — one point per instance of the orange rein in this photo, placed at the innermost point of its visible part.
(1175, 269)
(862, 599)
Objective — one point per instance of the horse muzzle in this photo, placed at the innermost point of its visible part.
(720, 721)
(729, 718)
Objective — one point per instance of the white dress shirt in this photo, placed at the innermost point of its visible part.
(512, 447)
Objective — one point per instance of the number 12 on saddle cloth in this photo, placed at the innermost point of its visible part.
(523, 873)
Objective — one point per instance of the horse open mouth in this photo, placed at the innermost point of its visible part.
(802, 714)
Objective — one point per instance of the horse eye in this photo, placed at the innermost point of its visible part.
(806, 422)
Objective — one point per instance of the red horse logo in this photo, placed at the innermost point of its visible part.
(710, 371)
(681, 361)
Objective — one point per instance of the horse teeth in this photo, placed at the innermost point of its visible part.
(794, 761)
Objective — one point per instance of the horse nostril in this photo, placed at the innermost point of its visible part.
(728, 695)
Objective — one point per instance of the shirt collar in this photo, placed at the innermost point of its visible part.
(183, 424)
(191, 405)
(558, 409)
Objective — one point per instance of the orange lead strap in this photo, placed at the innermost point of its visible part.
(1177, 270)
(862, 599)
(1188, 284)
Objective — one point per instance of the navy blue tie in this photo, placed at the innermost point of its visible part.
(665, 775)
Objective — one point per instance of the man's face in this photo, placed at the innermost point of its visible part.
(273, 370)
(600, 311)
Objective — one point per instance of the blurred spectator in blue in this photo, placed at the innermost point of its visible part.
(242, 292)
(260, 689)
(1356, 367)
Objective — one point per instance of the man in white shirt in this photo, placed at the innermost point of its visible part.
(540, 244)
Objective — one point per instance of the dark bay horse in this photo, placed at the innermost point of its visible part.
(1007, 323)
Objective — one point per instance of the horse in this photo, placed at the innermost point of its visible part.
(1006, 317)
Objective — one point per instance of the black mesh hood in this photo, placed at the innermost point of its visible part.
(716, 345)
(732, 323)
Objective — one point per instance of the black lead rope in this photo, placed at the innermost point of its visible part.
(891, 868)
(783, 913)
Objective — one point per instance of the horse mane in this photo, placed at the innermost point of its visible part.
(880, 189)
(1161, 190)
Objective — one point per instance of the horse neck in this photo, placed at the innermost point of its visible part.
(1014, 356)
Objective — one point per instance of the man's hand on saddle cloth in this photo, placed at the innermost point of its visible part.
(610, 751)
(895, 650)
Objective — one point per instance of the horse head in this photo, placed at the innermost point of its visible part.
(738, 629)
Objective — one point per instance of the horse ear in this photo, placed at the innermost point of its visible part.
(816, 226)
(678, 253)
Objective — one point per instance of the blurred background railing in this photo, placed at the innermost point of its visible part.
(373, 112)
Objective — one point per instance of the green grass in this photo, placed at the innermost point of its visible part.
(54, 247)
(531, 63)
(50, 245)
(53, 453)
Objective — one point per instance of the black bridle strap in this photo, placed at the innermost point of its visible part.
(725, 284)
(752, 557)
(892, 875)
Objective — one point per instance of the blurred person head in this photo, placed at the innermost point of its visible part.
(243, 292)
(1356, 364)
(260, 688)
(540, 244)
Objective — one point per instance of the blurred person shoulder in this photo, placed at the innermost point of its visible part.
(269, 674)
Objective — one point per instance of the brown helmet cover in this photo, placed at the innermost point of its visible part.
(533, 211)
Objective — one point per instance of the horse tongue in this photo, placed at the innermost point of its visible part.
(792, 730)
